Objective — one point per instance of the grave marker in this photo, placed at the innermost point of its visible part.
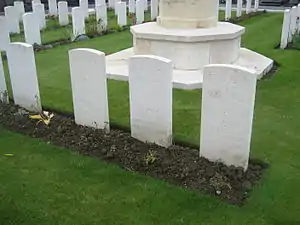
(52, 5)
(12, 18)
(31, 29)
(89, 87)
(3, 88)
(4, 34)
(285, 29)
(84, 5)
(239, 8)
(150, 85)
(23, 76)
(131, 6)
(78, 21)
(39, 11)
(228, 96)
(140, 16)
(63, 14)
(20, 9)
(154, 9)
(228, 10)
(122, 14)
(101, 16)
(248, 6)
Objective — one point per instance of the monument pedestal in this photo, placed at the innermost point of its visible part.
(190, 50)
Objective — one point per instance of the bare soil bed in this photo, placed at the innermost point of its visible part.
(177, 164)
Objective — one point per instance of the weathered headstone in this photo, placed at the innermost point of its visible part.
(239, 8)
(122, 14)
(78, 21)
(3, 88)
(4, 34)
(23, 76)
(89, 88)
(12, 18)
(131, 6)
(228, 96)
(63, 14)
(31, 29)
(154, 9)
(285, 29)
(39, 11)
(20, 9)
(150, 84)
(248, 6)
(84, 5)
(101, 16)
(52, 4)
(140, 16)
(228, 10)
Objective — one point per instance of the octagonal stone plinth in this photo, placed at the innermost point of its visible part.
(189, 49)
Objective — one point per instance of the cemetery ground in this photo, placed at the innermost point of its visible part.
(44, 184)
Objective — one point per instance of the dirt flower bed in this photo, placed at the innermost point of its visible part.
(177, 165)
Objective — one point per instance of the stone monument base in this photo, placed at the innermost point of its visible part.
(190, 50)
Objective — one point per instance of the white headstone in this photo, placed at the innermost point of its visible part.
(298, 15)
(31, 29)
(116, 7)
(52, 4)
(84, 5)
(122, 14)
(145, 5)
(78, 21)
(248, 6)
(293, 26)
(111, 4)
(36, 1)
(256, 5)
(39, 11)
(285, 29)
(140, 16)
(154, 9)
(4, 34)
(12, 17)
(131, 6)
(100, 2)
(20, 9)
(89, 88)
(3, 88)
(239, 8)
(228, 10)
(23, 76)
(101, 15)
(228, 96)
(63, 13)
(150, 87)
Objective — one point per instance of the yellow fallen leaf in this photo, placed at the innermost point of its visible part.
(8, 154)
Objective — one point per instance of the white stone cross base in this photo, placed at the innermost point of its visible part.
(228, 96)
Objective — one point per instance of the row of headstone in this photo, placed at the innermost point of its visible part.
(228, 97)
(239, 8)
(290, 26)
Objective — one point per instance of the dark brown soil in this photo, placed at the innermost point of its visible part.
(177, 165)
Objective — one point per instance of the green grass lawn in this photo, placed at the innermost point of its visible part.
(43, 184)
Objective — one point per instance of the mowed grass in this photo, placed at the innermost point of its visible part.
(43, 184)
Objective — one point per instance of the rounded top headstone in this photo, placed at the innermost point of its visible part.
(188, 13)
